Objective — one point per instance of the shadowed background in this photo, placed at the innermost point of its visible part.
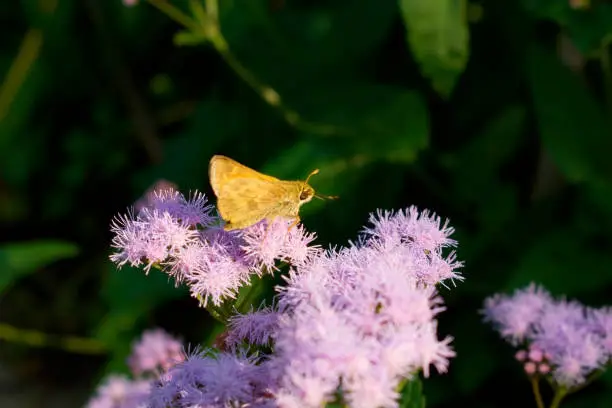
(495, 114)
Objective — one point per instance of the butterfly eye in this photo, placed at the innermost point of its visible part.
(305, 194)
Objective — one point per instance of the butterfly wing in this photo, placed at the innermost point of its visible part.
(244, 196)
(222, 170)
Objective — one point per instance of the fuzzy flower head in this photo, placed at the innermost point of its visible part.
(119, 392)
(255, 328)
(420, 237)
(602, 323)
(182, 237)
(148, 197)
(360, 319)
(209, 380)
(565, 339)
(515, 316)
(266, 242)
(156, 351)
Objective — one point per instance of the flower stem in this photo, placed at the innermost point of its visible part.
(175, 14)
(592, 377)
(535, 386)
(606, 69)
(559, 395)
(18, 72)
(207, 23)
(34, 338)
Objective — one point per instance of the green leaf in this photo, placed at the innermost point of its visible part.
(477, 358)
(587, 27)
(476, 166)
(562, 263)
(131, 296)
(279, 46)
(187, 153)
(438, 36)
(412, 394)
(188, 38)
(572, 125)
(23, 258)
(381, 121)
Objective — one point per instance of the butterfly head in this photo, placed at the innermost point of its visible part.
(307, 192)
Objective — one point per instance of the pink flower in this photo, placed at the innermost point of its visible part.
(119, 392)
(360, 318)
(209, 380)
(420, 239)
(148, 197)
(155, 351)
(265, 243)
(566, 340)
(256, 328)
(515, 316)
(183, 238)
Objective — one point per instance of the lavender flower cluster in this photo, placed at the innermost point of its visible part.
(558, 338)
(182, 236)
(153, 354)
(350, 325)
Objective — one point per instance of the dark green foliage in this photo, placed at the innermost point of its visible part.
(412, 394)
(475, 110)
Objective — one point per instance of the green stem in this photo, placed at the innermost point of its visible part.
(207, 23)
(175, 14)
(588, 381)
(35, 338)
(212, 7)
(559, 395)
(266, 92)
(217, 312)
(535, 386)
(18, 72)
(606, 69)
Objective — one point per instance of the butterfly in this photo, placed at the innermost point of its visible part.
(246, 196)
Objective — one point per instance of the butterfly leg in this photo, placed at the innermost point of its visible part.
(294, 223)
(269, 222)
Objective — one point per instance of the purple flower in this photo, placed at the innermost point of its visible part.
(214, 267)
(420, 229)
(150, 238)
(418, 238)
(514, 316)
(156, 351)
(565, 332)
(209, 380)
(602, 322)
(256, 328)
(119, 392)
(149, 196)
(350, 323)
(566, 340)
(265, 243)
(192, 211)
(181, 237)
(359, 318)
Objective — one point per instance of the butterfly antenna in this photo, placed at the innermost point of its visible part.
(319, 196)
(326, 197)
(312, 173)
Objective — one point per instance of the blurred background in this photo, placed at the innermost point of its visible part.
(495, 114)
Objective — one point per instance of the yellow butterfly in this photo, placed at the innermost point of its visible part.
(245, 196)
